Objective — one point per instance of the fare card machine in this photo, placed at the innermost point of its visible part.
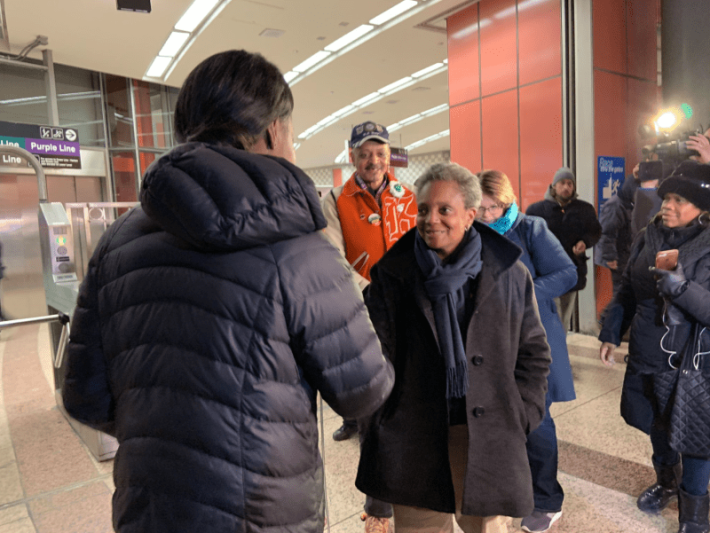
(61, 287)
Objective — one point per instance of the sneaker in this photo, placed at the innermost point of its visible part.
(376, 525)
(539, 521)
(345, 432)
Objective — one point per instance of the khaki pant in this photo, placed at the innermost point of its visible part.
(417, 520)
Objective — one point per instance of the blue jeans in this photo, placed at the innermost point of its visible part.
(542, 455)
(696, 470)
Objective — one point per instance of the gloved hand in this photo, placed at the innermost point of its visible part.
(672, 315)
(671, 283)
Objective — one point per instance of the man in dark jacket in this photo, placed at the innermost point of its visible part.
(574, 222)
(212, 315)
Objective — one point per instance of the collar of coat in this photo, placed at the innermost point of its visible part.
(497, 253)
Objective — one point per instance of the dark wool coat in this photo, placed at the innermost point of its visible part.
(207, 322)
(553, 274)
(639, 305)
(577, 221)
(404, 451)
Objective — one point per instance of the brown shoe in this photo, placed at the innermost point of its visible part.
(376, 525)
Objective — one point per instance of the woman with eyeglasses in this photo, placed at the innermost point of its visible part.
(554, 274)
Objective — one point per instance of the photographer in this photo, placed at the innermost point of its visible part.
(701, 144)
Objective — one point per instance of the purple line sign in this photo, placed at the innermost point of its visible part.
(53, 146)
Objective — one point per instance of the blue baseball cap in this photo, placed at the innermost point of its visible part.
(368, 131)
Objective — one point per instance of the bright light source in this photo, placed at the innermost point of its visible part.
(173, 44)
(394, 85)
(434, 110)
(427, 70)
(413, 118)
(349, 37)
(393, 12)
(290, 75)
(344, 110)
(195, 14)
(366, 99)
(325, 121)
(308, 63)
(666, 120)
(158, 66)
(296, 146)
(394, 127)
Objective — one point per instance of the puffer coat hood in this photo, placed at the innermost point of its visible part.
(239, 201)
(208, 321)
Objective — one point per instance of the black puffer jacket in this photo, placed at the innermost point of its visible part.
(206, 323)
(576, 221)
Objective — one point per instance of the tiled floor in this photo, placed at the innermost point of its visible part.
(49, 482)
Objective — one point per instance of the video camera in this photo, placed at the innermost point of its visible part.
(672, 147)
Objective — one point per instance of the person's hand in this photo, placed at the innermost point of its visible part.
(606, 354)
(635, 171)
(579, 248)
(613, 265)
(701, 144)
(670, 283)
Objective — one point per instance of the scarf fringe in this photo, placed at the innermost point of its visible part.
(457, 380)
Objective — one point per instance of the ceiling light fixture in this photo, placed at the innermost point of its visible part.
(308, 63)
(195, 15)
(419, 116)
(172, 46)
(349, 38)
(391, 13)
(366, 99)
(387, 88)
(159, 66)
(427, 140)
(290, 75)
(427, 70)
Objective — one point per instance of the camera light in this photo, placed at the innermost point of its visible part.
(666, 120)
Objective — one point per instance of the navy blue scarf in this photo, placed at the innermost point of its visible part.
(444, 286)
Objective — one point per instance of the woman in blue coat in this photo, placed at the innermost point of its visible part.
(554, 274)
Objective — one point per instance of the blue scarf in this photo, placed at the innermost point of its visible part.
(504, 223)
(444, 286)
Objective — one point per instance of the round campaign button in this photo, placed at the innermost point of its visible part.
(400, 207)
(374, 219)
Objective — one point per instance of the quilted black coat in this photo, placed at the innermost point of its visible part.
(639, 305)
(208, 320)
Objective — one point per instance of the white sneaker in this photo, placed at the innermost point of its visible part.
(538, 521)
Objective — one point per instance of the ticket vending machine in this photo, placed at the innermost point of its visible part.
(61, 285)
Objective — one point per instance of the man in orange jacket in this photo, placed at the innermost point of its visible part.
(366, 216)
(372, 210)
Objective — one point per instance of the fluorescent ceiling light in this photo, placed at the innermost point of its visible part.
(427, 70)
(429, 139)
(393, 12)
(394, 127)
(325, 120)
(290, 75)
(366, 99)
(158, 67)
(409, 120)
(342, 157)
(344, 110)
(434, 110)
(195, 14)
(349, 37)
(173, 44)
(396, 84)
(308, 63)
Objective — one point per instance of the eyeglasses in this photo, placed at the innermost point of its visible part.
(492, 210)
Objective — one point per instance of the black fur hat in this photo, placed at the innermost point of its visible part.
(691, 180)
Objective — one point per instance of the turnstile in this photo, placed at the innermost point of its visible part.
(66, 246)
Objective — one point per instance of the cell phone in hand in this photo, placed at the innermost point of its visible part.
(667, 260)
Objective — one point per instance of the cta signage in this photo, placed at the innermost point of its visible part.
(53, 146)
(399, 157)
(610, 172)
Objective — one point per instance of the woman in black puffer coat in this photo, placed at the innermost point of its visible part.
(212, 315)
(661, 308)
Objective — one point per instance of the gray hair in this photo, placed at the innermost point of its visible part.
(468, 183)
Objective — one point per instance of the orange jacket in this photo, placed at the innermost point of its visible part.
(368, 231)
